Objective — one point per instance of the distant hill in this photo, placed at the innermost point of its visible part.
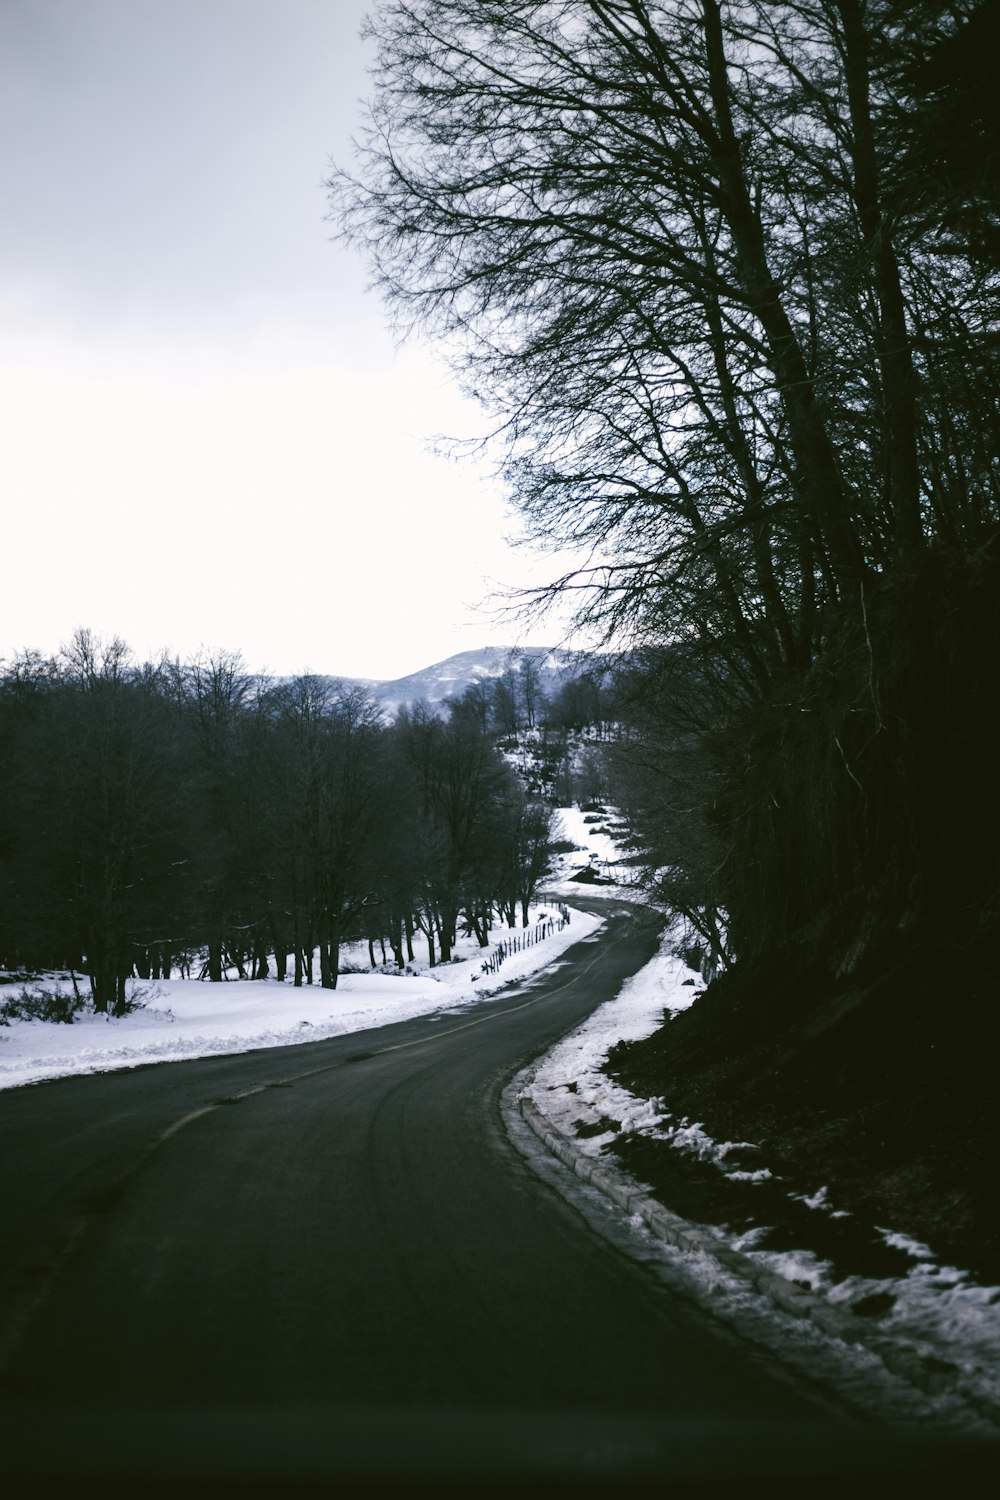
(449, 678)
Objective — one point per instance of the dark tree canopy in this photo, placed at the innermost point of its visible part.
(194, 816)
(725, 277)
(665, 245)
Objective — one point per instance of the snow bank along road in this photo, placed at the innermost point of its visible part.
(295, 1265)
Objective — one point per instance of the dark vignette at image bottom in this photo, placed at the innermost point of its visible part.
(418, 1450)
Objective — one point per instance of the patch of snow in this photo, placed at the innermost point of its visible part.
(636, 1012)
(936, 1311)
(799, 1266)
(818, 1200)
(911, 1247)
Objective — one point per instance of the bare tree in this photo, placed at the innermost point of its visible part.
(656, 239)
(731, 346)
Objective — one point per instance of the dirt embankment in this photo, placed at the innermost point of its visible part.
(882, 1087)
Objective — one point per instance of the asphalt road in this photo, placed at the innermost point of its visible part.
(328, 1261)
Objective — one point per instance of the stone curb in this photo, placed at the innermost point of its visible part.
(928, 1375)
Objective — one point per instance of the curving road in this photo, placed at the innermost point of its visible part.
(328, 1261)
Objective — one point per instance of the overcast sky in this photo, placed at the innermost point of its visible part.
(209, 438)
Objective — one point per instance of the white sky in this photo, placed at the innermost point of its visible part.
(209, 438)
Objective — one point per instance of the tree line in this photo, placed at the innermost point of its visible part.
(515, 699)
(196, 817)
(725, 275)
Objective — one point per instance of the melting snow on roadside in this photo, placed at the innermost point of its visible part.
(183, 1019)
(937, 1311)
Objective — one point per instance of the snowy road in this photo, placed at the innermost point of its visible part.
(330, 1261)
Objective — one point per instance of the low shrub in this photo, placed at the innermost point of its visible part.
(138, 998)
(41, 1005)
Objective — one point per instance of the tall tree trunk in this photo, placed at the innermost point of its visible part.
(895, 356)
(98, 985)
(478, 928)
(122, 973)
(297, 943)
(446, 934)
(260, 964)
(215, 962)
(280, 959)
(326, 981)
(818, 477)
(396, 942)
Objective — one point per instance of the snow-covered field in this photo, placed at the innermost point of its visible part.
(184, 1018)
(598, 850)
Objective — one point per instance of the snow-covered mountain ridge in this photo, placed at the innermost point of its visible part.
(450, 678)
